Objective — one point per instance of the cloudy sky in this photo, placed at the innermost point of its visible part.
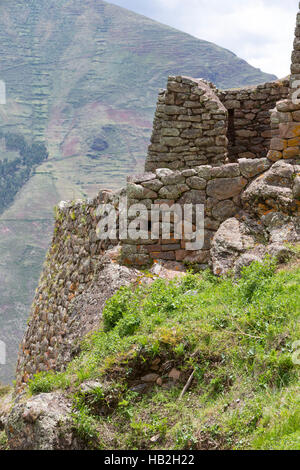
(260, 31)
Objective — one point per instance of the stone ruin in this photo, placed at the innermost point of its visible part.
(206, 148)
(237, 152)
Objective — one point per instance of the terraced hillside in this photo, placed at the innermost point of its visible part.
(83, 78)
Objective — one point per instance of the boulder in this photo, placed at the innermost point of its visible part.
(272, 191)
(42, 422)
(5, 405)
(296, 188)
(230, 241)
(238, 243)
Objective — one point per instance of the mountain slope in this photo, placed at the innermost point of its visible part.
(83, 77)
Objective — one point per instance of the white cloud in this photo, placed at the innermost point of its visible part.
(259, 31)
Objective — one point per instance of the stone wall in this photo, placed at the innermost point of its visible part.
(219, 189)
(285, 117)
(189, 128)
(187, 163)
(196, 124)
(295, 65)
(249, 131)
(70, 267)
(285, 122)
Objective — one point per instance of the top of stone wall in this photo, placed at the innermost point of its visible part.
(189, 127)
(262, 86)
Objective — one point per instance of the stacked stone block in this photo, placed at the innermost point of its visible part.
(285, 123)
(218, 188)
(295, 62)
(190, 126)
(285, 117)
(70, 267)
(249, 131)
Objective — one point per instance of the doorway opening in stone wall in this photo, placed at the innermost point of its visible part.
(231, 134)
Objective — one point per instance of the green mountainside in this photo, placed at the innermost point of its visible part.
(81, 77)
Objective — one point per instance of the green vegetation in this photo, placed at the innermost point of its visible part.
(3, 441)
(14, 174)
(5, 392)
(236, 338)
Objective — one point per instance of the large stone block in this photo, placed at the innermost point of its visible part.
(137, 179)
(178, 87)
(191, 133)
(291, 152)
(136, 191)
(274, 155)
(226, 188)
(169, 177)
(230, 170)
(251, 168)
(172, 141)
(196, 183)
(224, 210)
(278, 144)
(154, 185)
(173, 110)
(289, 130)
(173, 191)
(193, 197)
(170, 132)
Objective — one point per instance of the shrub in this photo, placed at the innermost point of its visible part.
(128, 325)
(118, 306)
(46, 382)
(255, 277)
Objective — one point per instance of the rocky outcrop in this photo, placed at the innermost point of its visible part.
(239, 243)
(83, 313)
(271, 221)
(276, 189)
(6, 400)
(43, 422)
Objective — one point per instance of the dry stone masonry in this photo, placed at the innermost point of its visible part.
(189, 128)
(196, 124)
(218, 188)
(69, 269)
(236, 152)
(249, 132)
(295, 66)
